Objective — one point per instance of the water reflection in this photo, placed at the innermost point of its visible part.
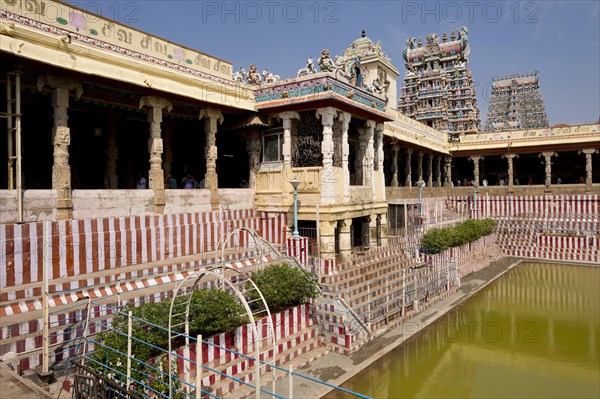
(534, 333)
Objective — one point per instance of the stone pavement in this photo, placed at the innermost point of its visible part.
(335, 368)
(12, 386)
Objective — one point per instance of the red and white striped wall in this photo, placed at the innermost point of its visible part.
(92, 245)
(532, 205)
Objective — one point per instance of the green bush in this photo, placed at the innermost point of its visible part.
(211, 312)
(439, 239)
(214, 311)
(284, 286)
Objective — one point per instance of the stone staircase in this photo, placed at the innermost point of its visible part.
(370, 293)
(551, 239)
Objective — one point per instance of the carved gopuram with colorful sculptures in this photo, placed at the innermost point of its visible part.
(438, 85)
(516, 103)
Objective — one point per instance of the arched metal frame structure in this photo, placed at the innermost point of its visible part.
(260, 243)
(185, 289)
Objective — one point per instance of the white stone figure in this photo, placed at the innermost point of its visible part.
(268, 77)
(240, 75)
(310, 68)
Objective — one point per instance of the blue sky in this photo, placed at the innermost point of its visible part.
(561, 39)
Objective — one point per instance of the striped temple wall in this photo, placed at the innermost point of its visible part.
(545, 227)
(93, 245)
(538, 206)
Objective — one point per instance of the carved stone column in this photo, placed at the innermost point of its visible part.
(361, 157)
(430, 170)
(379, 177)
(438, 171)
(373, 222)
(328, 179)
(345, 243)
(327, 239)
(156, 177)
(212, 118)
(511, 177)
(476, 159)
(111, 180)
(61, 139)
(344, 118)
(253, 148)
(395, 149)
(548, 163)
(588, 167)
(448, 171)
(383, 238)
(368, 168)
(420, 166)
(286, 118)
(408, 168)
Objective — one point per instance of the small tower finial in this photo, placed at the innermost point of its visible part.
(363, 34)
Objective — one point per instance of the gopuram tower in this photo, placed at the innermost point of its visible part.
(438, 85)
(516, 104)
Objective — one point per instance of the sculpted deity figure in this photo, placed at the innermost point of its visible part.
(325, 62)
(253, 76)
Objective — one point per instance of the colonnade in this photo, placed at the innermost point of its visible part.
(61, 89)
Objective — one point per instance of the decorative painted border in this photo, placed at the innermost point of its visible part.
(31, 23)
(318, 85)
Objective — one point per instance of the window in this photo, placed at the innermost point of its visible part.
(272, 145)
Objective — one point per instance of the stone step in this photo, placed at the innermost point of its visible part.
(227, 386)
(245, 392)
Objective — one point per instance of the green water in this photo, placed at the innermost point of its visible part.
(533, 333)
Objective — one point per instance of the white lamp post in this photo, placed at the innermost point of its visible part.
(295, 183)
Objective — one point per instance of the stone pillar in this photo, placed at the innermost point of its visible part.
(111, 180)
(588, 167)
(253, 148)
(395, 149)
(61, 139)
(438, 171)
(373, 221)
(379, 177)
(420, 166)
(328, 181)
(368, 168)
(156, 178)
(327, 239)
(344, 118)
(408, 168)
(430, 170)
(212, 118)
(345, 243)
(286, 118)
(384, 231)
(548, 163)
(448, 171)
(511, 174)
(475, 160)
